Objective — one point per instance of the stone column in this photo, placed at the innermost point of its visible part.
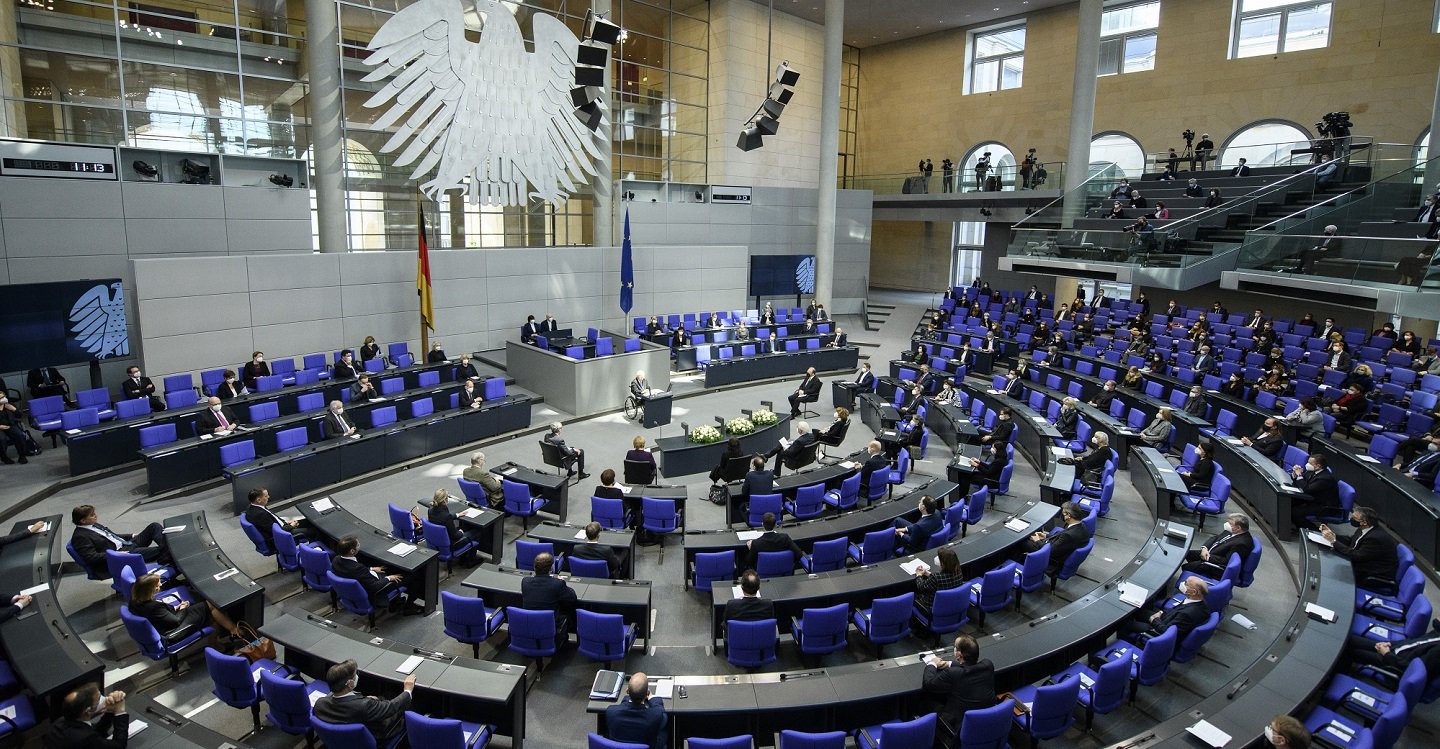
(1432, 172)
(1082, 106)
(322, 64)
(829, 152)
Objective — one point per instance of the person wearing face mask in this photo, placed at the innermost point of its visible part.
(437, 354)
(215, 419)
(1371, 551)
(254, 369)
(1092, 461)
(1307, 418)
(231, 387)
(364, 391)
(1275, 381)
(383, 719)
(369, 349)
(344, 369)
(1234, 387)
(1102, 399)
(1287, 732)
(1267, 441)
(1195, 402)
(469, 396)
(1319, 491)
(1004, 428)
(1068, 420)
(338, 423)
(465, 370)
(913, 402)
(1337, 358)
(78, 727)
(1158, 431)
(1212, 556)
(1350, 407)
(1424, 468)
(1407, 343)
(136, 386)
(1013, 386)
(11, 426)
(1198, 477)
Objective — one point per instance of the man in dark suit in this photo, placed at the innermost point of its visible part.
(640, 719)
(384, 719)
(1204, 362)
(913, 537)
(1424, 468)
(549, 325)
(1241, 170)
(749, 607)
(841, 340)
(364, 391)
(875, 460)
(545, 592)
(1004, 427)
(1319, 490)
(808, 392)
(216, 419)
(769, 540)
(1191, 613)
(74, 729)
(338, 423)
(927, 380)
(1267, 441)
(864, 382)
(570, 456)
(1102, 399)
(1212, 556)
(1013, 386)
(967, 682)
(344, 369)
(759, 480)
(791, 450)
(1371, 551)
(1256, 320)
(134, 386)
(529, 330)
(470, 398)
(377, 581)
(91, 540)
(913, 402)
(46, 381)
(1062, 542)
(264, 520)
(1396, 656)
(593, 549)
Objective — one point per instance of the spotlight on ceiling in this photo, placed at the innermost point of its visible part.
(196, 173)
(749, 139)
(145, 169)
(282, 180)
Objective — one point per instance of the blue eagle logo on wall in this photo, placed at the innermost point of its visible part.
(805, 276)
(97, 321)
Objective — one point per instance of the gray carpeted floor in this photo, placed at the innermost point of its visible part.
(679, 642)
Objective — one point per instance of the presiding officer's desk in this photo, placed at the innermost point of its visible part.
(45, 652)
(1265, 485)
(852, 524)
(500, 586)
(117, 442)
(209, 572)
(319, 465)
(1282, 679)
(681, 457)
(167, 729)
(788, 484)
(191, 460)
(421, 566)
(555, 488)
(1187, 425)
(565, 537)
(859, 586)
(764, 366)
(860, 694)
(445, 685)
(1411, 509)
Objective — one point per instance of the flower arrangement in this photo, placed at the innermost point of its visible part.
(739, 427)
(705, 434)
(764, 417)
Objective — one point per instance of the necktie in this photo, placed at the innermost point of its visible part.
(223, 422)
(118, 542)
(45, 374)
(1420, 461)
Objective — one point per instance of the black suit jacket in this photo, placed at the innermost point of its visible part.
(749, 609)
(1067, 422)
(810, 386)
(206, 422)
(144, 388)
(342, 371)
(528, 331)
(637, 723)
(225, 391)
(1372, 556)
(1201, 474)
(442, 516)
(1427, 468)
(547, 593)
(364, 396)
(77, 734)
(876, 462)
(382, 718)
(771, 541)
(760, 481)
(598, 551)
(264, 521)
(35, 378)
(1003, 429)
(1064, 543)
(91, 546)
(549, 325)
(1222, 545)
(468, 398)
(252, 371)
(1240, 171)
(964, 687)
(354, 569)
(798, 446)
(337, 425)
(1186, 617)
(1103, 398)
(1268, 445)
(1321, 487)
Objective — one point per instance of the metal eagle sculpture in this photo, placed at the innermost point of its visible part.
(487, 117)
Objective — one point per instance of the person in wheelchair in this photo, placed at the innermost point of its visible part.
(640, 387)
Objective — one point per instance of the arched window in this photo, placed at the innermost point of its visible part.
(1265, 144)
(1002, 165)
(1116, 155)
(1422, 147)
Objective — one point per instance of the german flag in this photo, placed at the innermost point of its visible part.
(422, 273)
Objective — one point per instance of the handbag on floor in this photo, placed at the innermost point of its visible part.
(719, 494)
(256, 646)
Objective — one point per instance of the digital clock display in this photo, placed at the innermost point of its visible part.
(57, 160)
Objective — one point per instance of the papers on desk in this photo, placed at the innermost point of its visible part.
(45, 527)
(72, 431)
(172, 529)
(227, 573)
(33, 589)
(204, 437)
(1128, 432)
(1319, 539)
(914, 565)
(994, 392)
(1242, 621)
(1039, 420)
(136, 726)
(580, 535)
(748, 535)
(1209, 734)
(315, 697)
(1316, 611)
(663, 688)
(1234, 440)
(847, 464)
(1132, 594)
(1017, 524)
(322, 505)
(470, 512)
(409, 665)
(1291, 489)
(624, 489)
(401, 549)
(1367, 458)
(735, 592)
(509, 470)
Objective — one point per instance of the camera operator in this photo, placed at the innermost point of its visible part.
(1142, 236)
(982, 167)
(1204, 149)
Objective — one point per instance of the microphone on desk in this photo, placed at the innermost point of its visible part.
(430, 653)
(1236, 689)
(1147, 738)
(1043, 619)
(152, 711)
(56, 623)
(322, 620)
(1295, 630)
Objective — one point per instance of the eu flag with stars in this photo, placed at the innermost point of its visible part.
(627, 271)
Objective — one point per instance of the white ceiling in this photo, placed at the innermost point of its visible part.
(872, 22)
